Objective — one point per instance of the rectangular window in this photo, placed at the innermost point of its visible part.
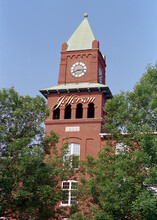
(120, 147)
(73, 155)
(69, 192)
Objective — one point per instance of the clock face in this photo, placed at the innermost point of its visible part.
(100, 75)
(78, 69)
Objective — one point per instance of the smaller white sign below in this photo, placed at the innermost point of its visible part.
(72, 129)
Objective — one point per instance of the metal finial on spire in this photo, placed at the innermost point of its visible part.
(82, 38)
(85, 15)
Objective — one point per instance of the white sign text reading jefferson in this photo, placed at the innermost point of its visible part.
(72, 99)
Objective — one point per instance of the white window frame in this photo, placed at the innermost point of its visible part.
(69, 192)
(65, 219)
(72, 148)
(120, 147)
(71, 152)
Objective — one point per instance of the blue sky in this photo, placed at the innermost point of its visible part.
(32, 32)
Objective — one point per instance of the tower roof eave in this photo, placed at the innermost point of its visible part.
(74, 87)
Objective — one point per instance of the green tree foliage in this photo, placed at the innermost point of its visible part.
(116, 187)
(122, 186)
(29, 183)
(135, 112)
(20, 121)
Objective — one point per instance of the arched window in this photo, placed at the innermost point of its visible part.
(56, 113)
(67, 114)
(90, 110)
(79, 111)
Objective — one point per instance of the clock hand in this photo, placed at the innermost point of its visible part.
(77, 70)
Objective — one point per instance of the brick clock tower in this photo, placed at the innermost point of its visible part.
(76, 103)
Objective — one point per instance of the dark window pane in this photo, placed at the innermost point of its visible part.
(56, 113)
(65, 185)
(67, 112)
(65, 197)
(75, 161)
(73, 197)
(79, 111)
(90, 110)
(74, 185)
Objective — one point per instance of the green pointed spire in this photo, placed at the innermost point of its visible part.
(82, 38)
